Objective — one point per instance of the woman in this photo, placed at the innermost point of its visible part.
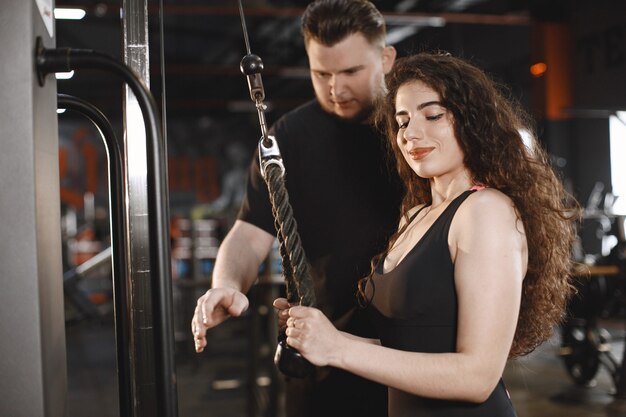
(478, 271)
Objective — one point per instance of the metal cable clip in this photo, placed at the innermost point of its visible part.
(269, 155)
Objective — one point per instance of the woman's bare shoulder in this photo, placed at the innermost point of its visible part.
(488, 201)
(484, 209)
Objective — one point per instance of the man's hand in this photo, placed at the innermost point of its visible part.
(282, 311)
(215, 306)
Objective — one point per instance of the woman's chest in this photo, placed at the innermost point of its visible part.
(421, 287)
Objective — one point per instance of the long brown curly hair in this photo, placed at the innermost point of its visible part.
(501, 152)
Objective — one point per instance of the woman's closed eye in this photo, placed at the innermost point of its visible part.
(403, 122)
(435, 117)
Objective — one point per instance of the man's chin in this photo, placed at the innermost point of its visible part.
(350, 115)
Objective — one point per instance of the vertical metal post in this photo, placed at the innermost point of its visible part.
(136, 56)
(152, 362)
(32, 352)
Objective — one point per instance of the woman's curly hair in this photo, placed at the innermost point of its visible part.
(501, 152)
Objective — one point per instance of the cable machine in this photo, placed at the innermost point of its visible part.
(148, 286)
(34, 361)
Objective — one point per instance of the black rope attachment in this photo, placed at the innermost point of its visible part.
(296, 272)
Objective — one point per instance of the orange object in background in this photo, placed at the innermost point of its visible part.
(98, 298)
(553, 70)
(538, 69)
(74, 182)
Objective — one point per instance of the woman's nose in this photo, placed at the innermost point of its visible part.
(412, 132)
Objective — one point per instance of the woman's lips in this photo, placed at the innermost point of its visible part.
(419, 153)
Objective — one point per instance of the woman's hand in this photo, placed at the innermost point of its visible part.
(313, 335)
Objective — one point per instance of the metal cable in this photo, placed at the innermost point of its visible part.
(295, 267)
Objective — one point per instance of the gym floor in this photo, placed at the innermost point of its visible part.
(213, 384)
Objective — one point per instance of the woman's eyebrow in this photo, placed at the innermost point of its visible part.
(428, 103)
(420, 107)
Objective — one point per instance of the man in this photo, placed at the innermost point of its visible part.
(345, 198)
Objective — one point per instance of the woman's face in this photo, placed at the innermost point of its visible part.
(426, 135)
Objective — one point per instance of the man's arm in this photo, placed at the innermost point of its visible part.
(241, 253)
(236, 269)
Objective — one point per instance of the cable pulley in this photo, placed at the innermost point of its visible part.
(296, 271)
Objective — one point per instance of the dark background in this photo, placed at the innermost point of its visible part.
(212, 124)
(208, 106)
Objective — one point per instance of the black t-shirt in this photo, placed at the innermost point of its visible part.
(345, 196)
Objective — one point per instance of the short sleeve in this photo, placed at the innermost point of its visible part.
(256, 208)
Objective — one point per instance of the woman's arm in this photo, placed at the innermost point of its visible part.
(488, 248)
(361, 339)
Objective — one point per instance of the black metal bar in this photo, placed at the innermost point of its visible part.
(67, 59)
(118, 245)
(620, 373)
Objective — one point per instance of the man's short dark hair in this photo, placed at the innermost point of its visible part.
(331, 21)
